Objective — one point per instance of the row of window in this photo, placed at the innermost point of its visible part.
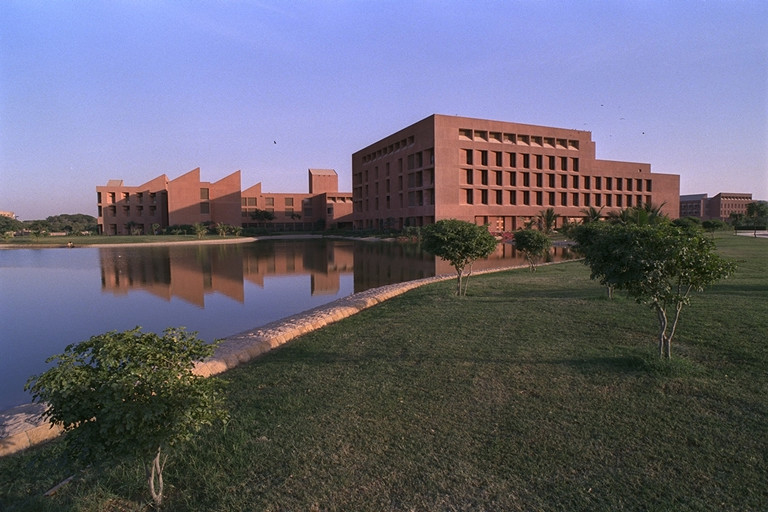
(552, 180)
(542, 198)
(414, 161)
(391, 148)
(514, 138)
(138, 197)
(126, 211)
(412, 199)
(526, 160)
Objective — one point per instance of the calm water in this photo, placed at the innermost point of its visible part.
(50, 298)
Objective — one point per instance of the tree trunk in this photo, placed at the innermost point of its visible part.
(155, 478)
(663, 339)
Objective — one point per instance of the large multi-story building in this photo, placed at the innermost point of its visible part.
(496, 173)
(186, 200)
(721, 206)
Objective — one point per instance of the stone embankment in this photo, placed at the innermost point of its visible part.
(22, 426)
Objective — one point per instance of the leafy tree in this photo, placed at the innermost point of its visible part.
(646, 214)
(74, 224)
(534, 244)
(757, 213)
(658, 265)
(548, 220)
(459, 243)
(39, 228)
(130, 394)
(713, 225)
(262, 215)
(9, 225)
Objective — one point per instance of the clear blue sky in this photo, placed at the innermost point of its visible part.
(130, 89)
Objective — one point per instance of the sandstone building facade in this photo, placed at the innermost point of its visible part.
(497, 173)
(721, 206)
(123, 210)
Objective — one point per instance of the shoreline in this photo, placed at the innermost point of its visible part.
(22, 427)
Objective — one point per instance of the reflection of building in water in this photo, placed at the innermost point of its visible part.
(186, 272)
(191, 272)
(325, 262)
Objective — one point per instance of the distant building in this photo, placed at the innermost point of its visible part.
(10, 215)
(721, 206)
(186, 200)
(497, 173)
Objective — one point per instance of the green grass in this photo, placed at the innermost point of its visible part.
(533, 393)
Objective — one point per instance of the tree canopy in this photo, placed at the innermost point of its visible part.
(534, 244)
(129, 394)
(657, 265)
(459, 243)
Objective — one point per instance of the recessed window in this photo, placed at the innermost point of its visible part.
(204, 194)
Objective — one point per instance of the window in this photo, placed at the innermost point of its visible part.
(467, 157)
(551, 163)
(483, 157)
(527, 161)
(289, 201)
(205, 208)
(551, 178)
(539, 198)
(526, 197)
(484, 176)
(469, 196)
(575, 198)
(499, 197)
(648, 186)
(513, 159)
(563, 163)
(499, 178)
(639, 185)
(539, 179)
(513, 178)
(484, 196)
(126, 196)
(526, 179)
(629, 186)
(608, 183)
(587, 182)
(204, 192)
(111, 197)
(551, 198)
(563, 181)
(598, 183)
(575, 162)
(468, 175)
(563, 198)
(575, 182)
(270, 201)
(512, 197)
(539, 161)
(499, 158)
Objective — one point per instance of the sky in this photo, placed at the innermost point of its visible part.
(131, 89)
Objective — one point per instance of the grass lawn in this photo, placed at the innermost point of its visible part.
(535, 392)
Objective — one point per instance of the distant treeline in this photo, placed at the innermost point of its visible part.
(75, 223)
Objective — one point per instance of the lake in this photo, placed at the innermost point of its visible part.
(50, 298)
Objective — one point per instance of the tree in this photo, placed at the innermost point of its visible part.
(459, 243)
(262, 215)
(548, 220)
(757, 213)
(658, 265)
(533, 244)
(642, 215)
(200, 230)
(591, 214)
(130, 394)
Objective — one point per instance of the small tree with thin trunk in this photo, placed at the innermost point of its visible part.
(533, 244)
(130, 394)
(658, 265)
(459, 243)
